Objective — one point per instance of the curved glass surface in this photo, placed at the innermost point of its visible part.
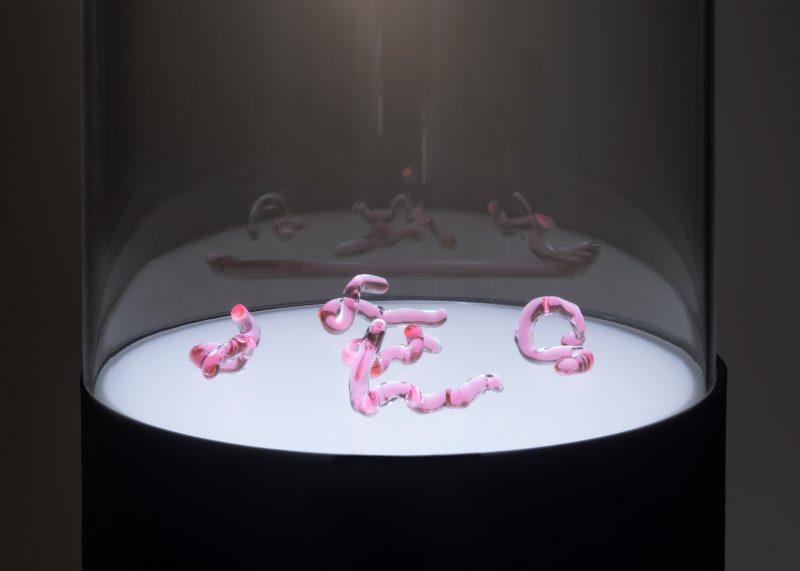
(475, 154)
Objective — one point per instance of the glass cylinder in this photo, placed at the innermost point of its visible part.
(476, 155)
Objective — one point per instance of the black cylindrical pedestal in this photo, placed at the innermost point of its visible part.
(651, 498)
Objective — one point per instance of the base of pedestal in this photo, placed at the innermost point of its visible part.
(651, 498)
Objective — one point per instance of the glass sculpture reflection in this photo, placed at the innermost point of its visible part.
(275, 206)
(570, 357)
(381, 233)
(368, 360)
(213, 358)
(412, 223)
(533, 229)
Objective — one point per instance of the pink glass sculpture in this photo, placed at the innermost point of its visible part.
(338, 315)
(379, 235)
(213, 358)
(367, 361)
(276, 206)
(570, 357)
(533, 228)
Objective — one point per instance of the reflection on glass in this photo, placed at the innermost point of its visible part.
(275, 206)
(533, 228)
(367, 362)
(412, 223)
(227, 266)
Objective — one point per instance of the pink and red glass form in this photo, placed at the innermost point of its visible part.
(368, 359)
(571, 356)
(338, 315)
(213, 358)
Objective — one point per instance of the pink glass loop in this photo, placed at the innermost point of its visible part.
(213, 358)
(338, 315)
(570, 357)
(367, 362)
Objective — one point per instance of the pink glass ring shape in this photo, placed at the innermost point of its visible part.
(571, 356)
(213, 358)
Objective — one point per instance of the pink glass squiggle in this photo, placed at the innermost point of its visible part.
(276, 206)
(533, 229)
(213, 358)
(417, 342)
(570, 357)
(338, 315)
(368, 362)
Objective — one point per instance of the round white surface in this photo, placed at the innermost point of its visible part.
(293, 395)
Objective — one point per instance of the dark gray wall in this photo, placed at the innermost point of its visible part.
(41, 216)
(758, 180)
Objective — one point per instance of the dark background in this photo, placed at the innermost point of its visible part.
(757, 184)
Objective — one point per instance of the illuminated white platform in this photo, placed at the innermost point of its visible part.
(293, 395)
